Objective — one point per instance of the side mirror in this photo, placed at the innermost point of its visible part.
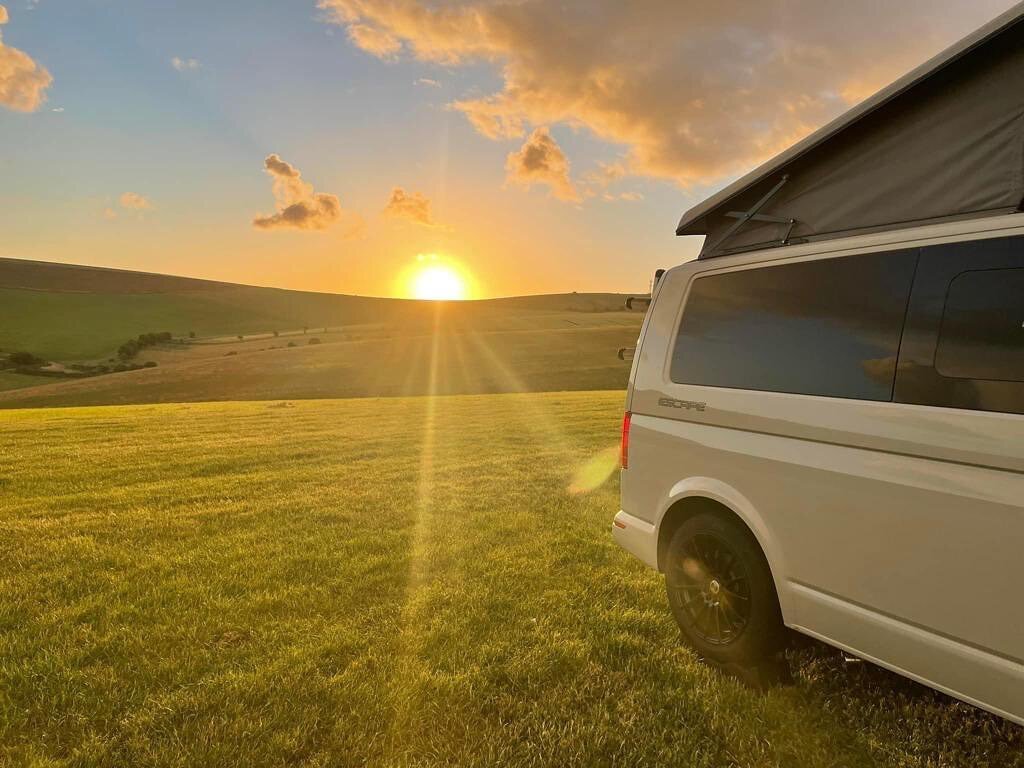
(627, 353)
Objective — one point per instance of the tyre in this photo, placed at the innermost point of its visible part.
(722, 593)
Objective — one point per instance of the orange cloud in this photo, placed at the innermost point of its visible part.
(695, 91)
(374, 40)
(541, 161)
(135, 202)
(298, 205)
(414, 207)
(23, 82)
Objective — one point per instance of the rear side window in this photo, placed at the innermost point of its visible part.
(829, 327)
(982, 331)
(963, 346)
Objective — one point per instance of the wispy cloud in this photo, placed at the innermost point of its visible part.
(541, 161)
(298, 205)
(185, 65)
(23, 82)
(133, 201)
(428, 82)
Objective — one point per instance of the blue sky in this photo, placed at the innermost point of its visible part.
(290, 79)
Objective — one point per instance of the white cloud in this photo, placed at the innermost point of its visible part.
(185, 65)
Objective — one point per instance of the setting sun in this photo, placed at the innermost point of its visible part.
(439, 283)
(435, 278)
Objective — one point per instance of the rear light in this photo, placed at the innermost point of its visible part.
(624, 448)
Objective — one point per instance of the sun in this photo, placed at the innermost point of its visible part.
(438, 283)
(433, 278)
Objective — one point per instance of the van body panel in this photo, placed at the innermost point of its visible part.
(892, 529)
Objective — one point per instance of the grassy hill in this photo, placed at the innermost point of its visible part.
(71, 313)
(370, 346)
(384, 583)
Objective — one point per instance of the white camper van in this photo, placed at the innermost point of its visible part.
(824, 428)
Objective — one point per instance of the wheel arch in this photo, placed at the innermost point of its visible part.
(705, 495)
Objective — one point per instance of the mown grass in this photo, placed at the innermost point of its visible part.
(383, 582)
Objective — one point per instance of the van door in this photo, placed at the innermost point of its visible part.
(962, 362)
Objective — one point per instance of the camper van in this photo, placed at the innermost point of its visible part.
(824, 426)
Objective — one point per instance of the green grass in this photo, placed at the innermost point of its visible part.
(393, 582)
(74, 326)
(474, 351)
(10, 381)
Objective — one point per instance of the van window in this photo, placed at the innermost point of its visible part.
(982, 330)
(963, 346)
(828, 327)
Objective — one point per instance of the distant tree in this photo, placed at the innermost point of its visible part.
(24, 358)
(191, 334)
(240, 337)
(314, 340)
(276, 334)
(292, 344)
(128, 350)
(149, 364)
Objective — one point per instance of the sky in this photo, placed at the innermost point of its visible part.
(534, 146)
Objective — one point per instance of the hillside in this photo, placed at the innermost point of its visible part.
(73, 313)
(362, 347)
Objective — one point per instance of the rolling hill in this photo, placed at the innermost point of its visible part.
(363, 346)
(71, 313)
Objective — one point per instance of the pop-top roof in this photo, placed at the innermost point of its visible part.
(945, 141)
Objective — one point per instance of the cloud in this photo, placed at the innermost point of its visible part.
(135, 202)
(415, 207)
(694, 91)
(374, 40)
(541, 161)
(429, 83)
(298, 205)
(23, 82)
(185, 65)
(629, 197)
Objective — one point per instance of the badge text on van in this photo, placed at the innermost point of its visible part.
(686, 405)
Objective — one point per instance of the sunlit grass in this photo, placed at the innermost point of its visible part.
(248, 584)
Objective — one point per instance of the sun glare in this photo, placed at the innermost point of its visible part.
(432, 278)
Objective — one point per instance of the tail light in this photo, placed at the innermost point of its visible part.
(624, 447)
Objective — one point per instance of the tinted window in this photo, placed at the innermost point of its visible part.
(982, 330)
(963, 346)
(829, 327)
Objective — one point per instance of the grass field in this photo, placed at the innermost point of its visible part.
(393, 582)
(475, 349)
(69, 313)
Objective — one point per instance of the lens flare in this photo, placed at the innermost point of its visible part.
(595, 472)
